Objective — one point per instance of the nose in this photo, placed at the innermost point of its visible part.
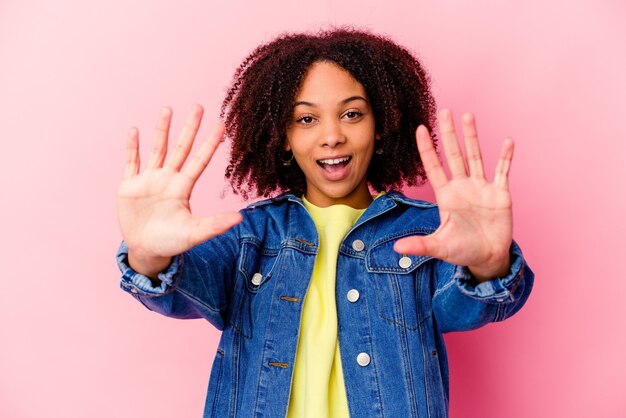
(332, 134)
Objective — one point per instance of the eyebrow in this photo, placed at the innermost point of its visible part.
(343, 102)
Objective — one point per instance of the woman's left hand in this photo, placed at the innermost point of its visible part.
(476, 217)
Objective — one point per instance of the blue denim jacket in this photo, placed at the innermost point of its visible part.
(251, 283)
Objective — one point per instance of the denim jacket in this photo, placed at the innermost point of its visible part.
(251, 283)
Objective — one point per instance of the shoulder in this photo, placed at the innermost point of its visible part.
(277, 217)
(403, 200)
(277, 206)
(284, 199)
(400, 214)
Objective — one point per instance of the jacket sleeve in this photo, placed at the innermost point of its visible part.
(461, 303)
(196, 284)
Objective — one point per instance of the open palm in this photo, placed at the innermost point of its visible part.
(153, 206)
(476, 215)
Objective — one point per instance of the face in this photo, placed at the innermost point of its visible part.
(331, 135)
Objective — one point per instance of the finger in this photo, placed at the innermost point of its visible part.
(472, 147)
(503, 167)
(202, 158)
(159, 143)
(430, 159)
(454, 157)
(132, 153)
(209, 227)
(185, 140)
(419, 245)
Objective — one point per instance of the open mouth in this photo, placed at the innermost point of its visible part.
(334, 164)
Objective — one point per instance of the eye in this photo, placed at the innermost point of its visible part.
(352, 114)
(305, 120)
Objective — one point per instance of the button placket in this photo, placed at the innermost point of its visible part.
(353, 295)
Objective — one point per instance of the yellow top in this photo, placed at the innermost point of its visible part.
(318, 388)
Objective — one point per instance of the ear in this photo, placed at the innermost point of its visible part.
(377, 137)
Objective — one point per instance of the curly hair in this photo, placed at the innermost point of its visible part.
(259, 104)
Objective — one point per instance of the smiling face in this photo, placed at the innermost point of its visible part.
(331, 135)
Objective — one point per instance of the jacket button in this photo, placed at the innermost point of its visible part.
(363, 359)
(358, 245)
(405, 262)
(256, 279)
(353, 295)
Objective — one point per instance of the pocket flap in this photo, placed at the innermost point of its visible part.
(383, 259)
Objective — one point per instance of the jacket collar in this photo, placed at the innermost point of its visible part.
(387, 201)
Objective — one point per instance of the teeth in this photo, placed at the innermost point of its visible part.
(331, 161)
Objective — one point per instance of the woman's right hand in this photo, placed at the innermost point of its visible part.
(153, 206)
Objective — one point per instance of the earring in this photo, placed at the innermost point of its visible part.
(287, 162)
(379, 151)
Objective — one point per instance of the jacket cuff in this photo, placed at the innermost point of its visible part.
(497, 290)
(138, 284)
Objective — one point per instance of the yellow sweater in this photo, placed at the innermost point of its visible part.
(318, 389)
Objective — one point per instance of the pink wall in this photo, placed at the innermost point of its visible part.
(75, 75)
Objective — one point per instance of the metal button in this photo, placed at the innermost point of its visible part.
(358, 245)
(353, 295)
(405, 262)
(256, 279)
(363, 359)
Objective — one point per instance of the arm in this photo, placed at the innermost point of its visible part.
(196, 284)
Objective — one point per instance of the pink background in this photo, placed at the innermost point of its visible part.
(75, 75)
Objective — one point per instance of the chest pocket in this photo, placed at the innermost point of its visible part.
(402, 285)
(253, 288)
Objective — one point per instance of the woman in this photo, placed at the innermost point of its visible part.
(332, 302)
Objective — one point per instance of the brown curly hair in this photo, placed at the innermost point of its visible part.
(259, 104)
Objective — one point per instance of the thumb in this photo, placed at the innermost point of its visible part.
(418, 245)
(208, 227)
